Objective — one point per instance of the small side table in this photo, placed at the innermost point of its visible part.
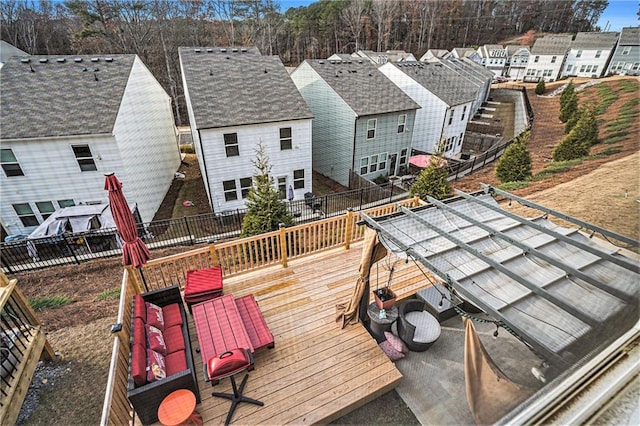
(178, 408)
(380, 325)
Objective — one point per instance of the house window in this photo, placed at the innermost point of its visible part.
(245, 186)
(451, 111)
(531, 72)
(285, 138)
(10, 163)
(364, 165)
(84, 157)
(282, 187)
(536, 59)
(403, 156)
(569, 67)
(582, 68)
(460, 140)
(547, 73)
(594, 69)
(45, 208)
(298, 179)
(229, 187)
(383, 161)
(373, 165)
(464, 112)
(25, 214)
(402, 120)
(66, 203)
(626, 50)
(371, 128)
(636, 65)
(553, 59)
(231, 144)
(598, 53)
(578, 54)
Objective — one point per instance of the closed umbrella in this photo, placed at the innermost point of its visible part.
(290, 194)
(134, 251)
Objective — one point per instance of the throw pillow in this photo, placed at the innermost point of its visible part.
(156, 369)
(390, 351)
(396, 342)
(156, 340)
(154, 316)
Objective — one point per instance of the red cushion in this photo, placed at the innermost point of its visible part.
(228, 363)
(203, 281)
(176, 362)
(156, 368)
(154, 316)
(139, 333)
(139, 308)
(173, 339)
(172, 315)
(155, 340)
(139, 364)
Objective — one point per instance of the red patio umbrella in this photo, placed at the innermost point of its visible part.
(134, 251)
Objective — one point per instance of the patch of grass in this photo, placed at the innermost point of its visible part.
(510, 186)
(617, 137)
(556, 167)
(49, 302)
(109, 294)
(617, 125)
(605, 152)
(628, 85)
(608, 96)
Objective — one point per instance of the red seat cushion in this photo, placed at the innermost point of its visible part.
(155, 340)
(171, 315)
(228, 363)
(173, 339)
(156, 366)
(139, 364)
(203, 281)
(176, 362)
(139, 333)
(139, 308)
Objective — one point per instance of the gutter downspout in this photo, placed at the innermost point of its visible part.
(206, 170)
(353, 150)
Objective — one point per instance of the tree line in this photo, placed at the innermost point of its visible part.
(154, 29)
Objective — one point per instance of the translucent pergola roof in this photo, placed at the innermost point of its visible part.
(564, 294)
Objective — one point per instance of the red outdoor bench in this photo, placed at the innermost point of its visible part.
(254, 323)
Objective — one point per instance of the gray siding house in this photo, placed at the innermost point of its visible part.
(626, 57)
(476, 74)
(363, 123)
(547, 57)
(589, 54)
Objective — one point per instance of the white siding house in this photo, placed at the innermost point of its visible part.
(547, 57)
(237, 99)
(589, 54)
(476, 74)
(446, 99)
(66, 121)
(494, 58)
(517, 61)
(363, 123)
(626, 57)
(464, 52)
(380, 58)
(434, 55)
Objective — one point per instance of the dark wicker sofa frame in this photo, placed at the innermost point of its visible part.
(147, 398)
(406, 330)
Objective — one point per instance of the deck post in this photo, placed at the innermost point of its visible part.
(348, 229)
(283, 244)
(416, 201)
(212, 251)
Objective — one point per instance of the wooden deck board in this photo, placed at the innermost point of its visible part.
(317, 371)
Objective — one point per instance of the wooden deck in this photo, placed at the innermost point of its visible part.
(317, 371)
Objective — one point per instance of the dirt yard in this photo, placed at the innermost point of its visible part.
(603, 190)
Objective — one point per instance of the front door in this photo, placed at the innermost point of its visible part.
(392, 164)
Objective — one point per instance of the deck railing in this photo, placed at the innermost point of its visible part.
(234, 257)
(22, 343)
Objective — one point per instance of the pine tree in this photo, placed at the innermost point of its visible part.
(568, 107)
(566, 93)
(515, 164)
(265, 210)
(432, 181)
(540, 87)
(580, 139)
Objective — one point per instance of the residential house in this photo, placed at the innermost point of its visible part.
(434, 55)
(380, 58)
(547, 57)
(66, 121)
(464, 52)
(517, 60)
(476, 74)
(238, 99)
(626, 57)
(340, 57)
(8, 51)
(494, 58)
(446, 99)
(363, 123)
(589, 54)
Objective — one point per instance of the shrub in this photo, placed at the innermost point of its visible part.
(571, 147)
(566, 94)
(569, 107)
(49, 302)
(433, 182)
(187, 149)
(515, 164)
(540, 88)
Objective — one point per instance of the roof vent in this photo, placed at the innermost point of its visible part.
(31, 68)
(43, 60)
(25, 60)
(333, 62)
(223, 50)
(96, 69)
(265, 70)
(321, 62)
(95, 59)
(196, 50)
(360, 61)
(77, 60)
(108, 59)
(61, 60)
(209, 50)
(84, 69)
(228, 57)
(210, 72)
(234, 50)
(244, 49)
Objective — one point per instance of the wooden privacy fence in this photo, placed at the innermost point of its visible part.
(22, 343)
(234, 257)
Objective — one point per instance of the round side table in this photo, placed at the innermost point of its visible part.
(380, 325)
(178, 408)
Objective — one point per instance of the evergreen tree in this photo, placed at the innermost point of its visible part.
(569, 107)
(540, 88)
(580, 139)
(265, 209)
(571, 122)
(515, 164)
(432, 181)
(566, 93)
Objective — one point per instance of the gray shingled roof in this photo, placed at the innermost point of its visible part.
(363, 87)
(466, 67)
(239, 88)
(595, 41)
(448, 85)
(513, 48)
(630, 36)
(557, 44)
(61, 98)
